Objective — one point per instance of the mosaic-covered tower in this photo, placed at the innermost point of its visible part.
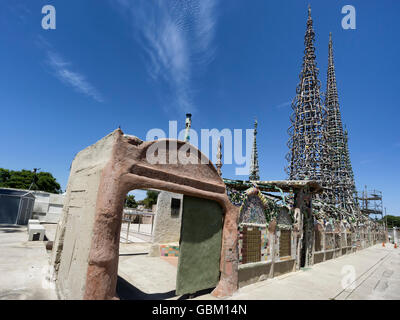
(254, 169)
(341, 177)
(309, 150)
(350, 185)
(335, 129)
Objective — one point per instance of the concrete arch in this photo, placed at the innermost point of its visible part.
(126, 168)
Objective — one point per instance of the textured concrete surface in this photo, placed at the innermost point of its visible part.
(48, 206)
(75, 229)
(23, 266)
(51, 229)
(167, 227)
(376, 277)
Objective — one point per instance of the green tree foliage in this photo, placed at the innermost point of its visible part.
(130, 201)
(43, 181)
(392, 221)
(151, 198)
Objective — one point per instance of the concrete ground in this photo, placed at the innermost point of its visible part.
(23, 266)
(366, 274)
(144, 277)
(372, 273)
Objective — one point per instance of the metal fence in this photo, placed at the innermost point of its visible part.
(137, 222)
(15, 206)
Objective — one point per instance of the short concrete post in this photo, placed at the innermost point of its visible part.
(36, 229)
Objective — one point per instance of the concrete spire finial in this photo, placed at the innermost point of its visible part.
(188, 125)
(254, 169)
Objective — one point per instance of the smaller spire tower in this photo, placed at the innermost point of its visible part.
(350, 186)
(254, 169)
(218, 164)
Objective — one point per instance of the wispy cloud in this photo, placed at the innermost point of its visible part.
(284, 104)
(75, 79)
(177, 37)
(62, 69)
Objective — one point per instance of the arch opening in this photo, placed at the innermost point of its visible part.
(101, 176)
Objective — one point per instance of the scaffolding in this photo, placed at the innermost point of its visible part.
(371, 204)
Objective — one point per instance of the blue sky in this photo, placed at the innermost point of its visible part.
(138, 64)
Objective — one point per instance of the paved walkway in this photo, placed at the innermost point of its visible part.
(23, 266)
(372, 273)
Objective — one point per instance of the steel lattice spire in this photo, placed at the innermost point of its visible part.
(309, 155)
(342, 176)
(335, 130)
(350, 182)
(254, 169)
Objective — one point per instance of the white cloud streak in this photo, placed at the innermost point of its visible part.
(177, 37)
(62, 69)
(284, 104)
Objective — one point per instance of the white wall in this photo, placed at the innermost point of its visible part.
(48, 206)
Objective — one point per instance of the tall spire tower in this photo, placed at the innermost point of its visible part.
(342, 180)
(254, 169)
(335, 130)
(350, 186)
(309, 155)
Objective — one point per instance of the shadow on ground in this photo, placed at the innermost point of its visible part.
(10, 228)
(133, 254)
(126, 291)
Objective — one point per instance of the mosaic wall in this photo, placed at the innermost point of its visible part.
(318, 241)
(252, 210)
(349, 241)
(285, 243)
(284, 218)
(337, 241)
(169, 251)
(253, 244)
(343, 240)
(329, 240)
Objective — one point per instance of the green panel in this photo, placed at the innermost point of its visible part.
(200, 245)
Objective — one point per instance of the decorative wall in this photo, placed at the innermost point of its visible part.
(252, 210)
(253, 244)
(169, 250)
